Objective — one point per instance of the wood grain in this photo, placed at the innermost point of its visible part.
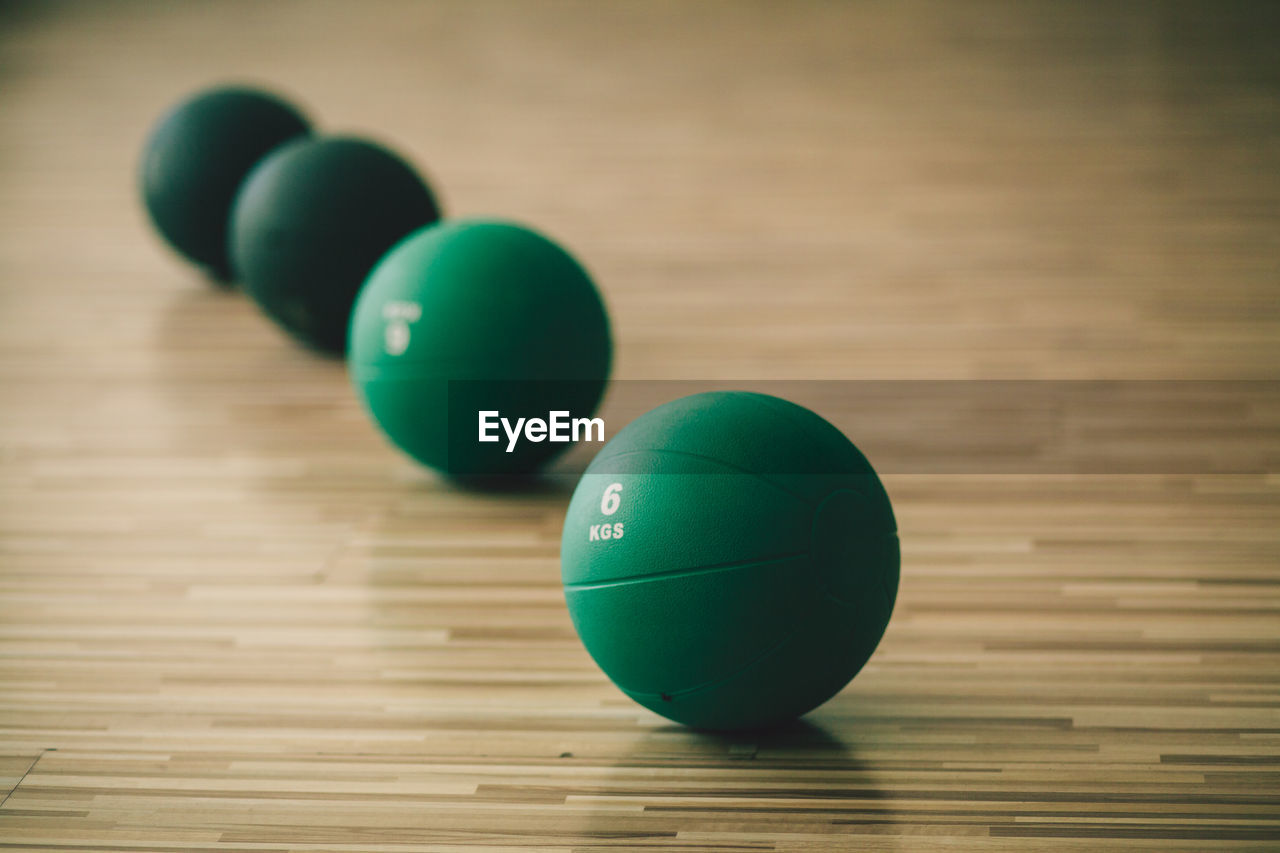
(231, 618)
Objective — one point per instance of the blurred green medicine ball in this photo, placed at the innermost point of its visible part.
(730, 560)
(196, 158)
(310, 222)
(466, 317)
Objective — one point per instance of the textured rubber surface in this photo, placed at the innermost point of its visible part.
(757, 564)
(311, 221)
(466, 316)
(197, 157)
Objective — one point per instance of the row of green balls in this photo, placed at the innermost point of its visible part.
(729, 559)
(341, 243)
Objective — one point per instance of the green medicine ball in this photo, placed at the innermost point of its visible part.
(467, 317)
(196, 159)
(310, 222)
(730, 560)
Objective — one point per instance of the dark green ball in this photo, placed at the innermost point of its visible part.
(196, 159)
(473, 316)
(310, 222)
(730, 560)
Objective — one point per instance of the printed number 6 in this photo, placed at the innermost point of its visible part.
(611, 500)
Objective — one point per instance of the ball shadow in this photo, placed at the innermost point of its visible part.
(229, 381)
(514, 485)
(218, 364)
(782, 785)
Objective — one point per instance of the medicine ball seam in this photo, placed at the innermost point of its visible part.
(871, 537)
(667, 695)
(762, 478)
(687, 692)
(879, 586)
(682, 573)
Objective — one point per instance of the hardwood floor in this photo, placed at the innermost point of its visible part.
(232, 618)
